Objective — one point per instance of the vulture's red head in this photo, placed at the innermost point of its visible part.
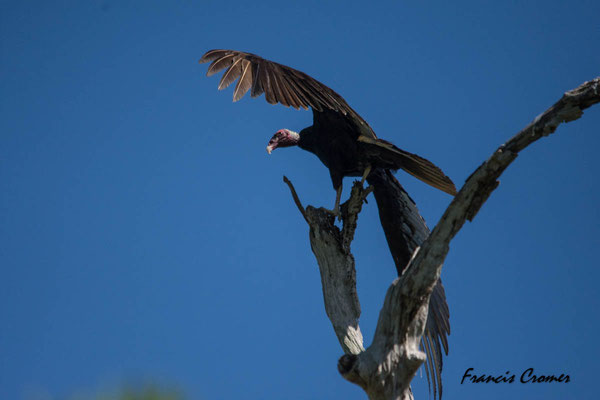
(283, 138)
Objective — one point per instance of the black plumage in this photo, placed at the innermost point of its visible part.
(347, 145)
(343, 141)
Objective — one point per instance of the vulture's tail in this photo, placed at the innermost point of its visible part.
(390, 156)
(405, 230)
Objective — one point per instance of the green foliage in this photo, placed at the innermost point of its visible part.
(148, 393)
(144, 392)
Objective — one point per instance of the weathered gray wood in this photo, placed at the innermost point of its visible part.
(338, 278)
(386, 368)
(331, 247)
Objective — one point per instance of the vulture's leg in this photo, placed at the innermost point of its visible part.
(337, 179)
(365, 174)
(338, 196)
(336, 207)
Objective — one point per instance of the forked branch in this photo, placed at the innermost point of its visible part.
(331, 247)
(386, 368)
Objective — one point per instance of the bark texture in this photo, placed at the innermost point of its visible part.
(386, 368)
(405, 230)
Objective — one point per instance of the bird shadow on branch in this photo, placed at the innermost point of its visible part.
(386, 368)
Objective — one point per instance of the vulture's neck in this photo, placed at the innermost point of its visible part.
(307, 139)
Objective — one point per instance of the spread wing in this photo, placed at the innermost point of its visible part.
(280, 84)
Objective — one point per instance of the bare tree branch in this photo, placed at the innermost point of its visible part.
(331, 247)
(295, 197)
(386, 368)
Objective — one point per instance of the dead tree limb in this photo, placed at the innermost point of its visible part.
(331, 247)
(386, 368)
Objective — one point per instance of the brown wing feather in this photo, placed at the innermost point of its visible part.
(245, 81)
(214, 54)
(293, 92)
(234, 72)
(221, 63)
(273, 79)
(277, 90)
(267, 84)
(280, 84)
(285, 88)
(257, 88)
(303, 99)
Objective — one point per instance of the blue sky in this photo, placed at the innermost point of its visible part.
(146, 235)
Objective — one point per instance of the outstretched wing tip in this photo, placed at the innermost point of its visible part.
(279, 83)
(210, 54)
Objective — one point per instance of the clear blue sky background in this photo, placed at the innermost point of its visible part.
(145, 234)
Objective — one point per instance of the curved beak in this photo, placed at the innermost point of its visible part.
(269, 149)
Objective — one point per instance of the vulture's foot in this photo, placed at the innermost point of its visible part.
(335, 212)
(365, 174)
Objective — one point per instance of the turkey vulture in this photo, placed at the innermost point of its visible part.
(342, 140)
(347, 145)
